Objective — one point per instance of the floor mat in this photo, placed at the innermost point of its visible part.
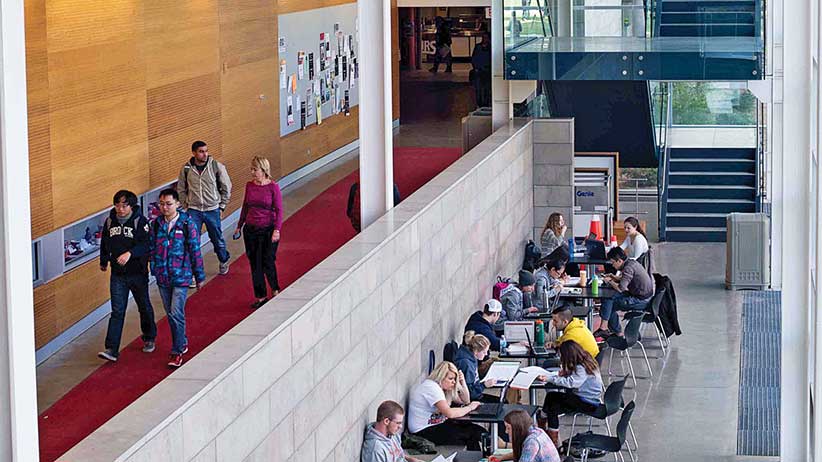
(309, 236)
(759, 369)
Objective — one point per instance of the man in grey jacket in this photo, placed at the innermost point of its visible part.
(381, 442)
(517, 300)
(205, 189)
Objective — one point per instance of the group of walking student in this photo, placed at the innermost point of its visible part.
(169, 247)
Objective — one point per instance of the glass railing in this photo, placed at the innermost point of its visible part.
(631, 40)
(713, 103)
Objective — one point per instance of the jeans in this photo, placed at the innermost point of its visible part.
(214, 229)
(620, 302)
(557, 403)
(454, 432)
(120, 286)
(174, 301)
(262, 257)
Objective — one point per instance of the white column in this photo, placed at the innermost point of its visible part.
(376, 143)
(795, 230)
(18, 387)
(499, 87)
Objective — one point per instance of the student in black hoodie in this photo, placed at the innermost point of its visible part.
(124, 245)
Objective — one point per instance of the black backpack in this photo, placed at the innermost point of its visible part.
(449, 351)
(532, 256)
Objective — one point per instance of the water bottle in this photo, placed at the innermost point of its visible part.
(570, 249)
(540, 335)
(503, 344)
(595, 285)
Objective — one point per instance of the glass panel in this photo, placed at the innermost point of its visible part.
(713, 103)
(35, 263)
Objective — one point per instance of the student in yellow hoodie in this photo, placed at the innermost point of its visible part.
(573, 329)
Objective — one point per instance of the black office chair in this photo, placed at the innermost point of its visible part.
(652, 317)
(626, 343)
(608, 443)
(611, 403)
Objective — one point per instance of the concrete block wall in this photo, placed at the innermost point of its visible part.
(553, 172)
(300, 378)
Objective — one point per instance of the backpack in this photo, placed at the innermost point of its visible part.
(155, 225)
(532, 256)
(502, 287)
(187, 167)
(449, 351)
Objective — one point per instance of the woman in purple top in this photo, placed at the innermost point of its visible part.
(530, 443)
(261, 218)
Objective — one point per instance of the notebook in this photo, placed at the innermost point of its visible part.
(440, 458)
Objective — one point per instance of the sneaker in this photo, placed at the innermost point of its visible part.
(149, 347)
(192, 284)
(108, 354)
(224, 267)
(185, 350)
(175, 361)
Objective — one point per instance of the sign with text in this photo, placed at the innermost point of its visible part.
(591, 198)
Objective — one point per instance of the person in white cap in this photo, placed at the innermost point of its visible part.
(482, 322)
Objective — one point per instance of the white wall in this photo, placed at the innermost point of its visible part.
(300, 378)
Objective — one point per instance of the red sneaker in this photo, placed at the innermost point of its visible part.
(175, 361)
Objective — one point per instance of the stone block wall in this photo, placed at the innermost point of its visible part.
(553, 172)
(300, 378)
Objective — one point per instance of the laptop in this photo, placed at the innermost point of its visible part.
(487, 410)
(538, 350)
(595, 250)
(515, 331)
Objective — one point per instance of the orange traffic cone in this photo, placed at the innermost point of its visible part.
(596, 227)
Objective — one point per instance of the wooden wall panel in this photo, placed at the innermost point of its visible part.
(248, 31)
(45, 315)
(293, 6)
(37, 83)
(83, 23)
(178, 114)
(243, 112)
(182, 40)
(97, 148)
(303, 147)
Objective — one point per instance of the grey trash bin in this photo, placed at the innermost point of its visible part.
(748, 264)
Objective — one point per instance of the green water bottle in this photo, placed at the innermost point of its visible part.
(540, 335)
(595, 286)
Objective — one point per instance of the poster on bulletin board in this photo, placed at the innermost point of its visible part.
(318, 62)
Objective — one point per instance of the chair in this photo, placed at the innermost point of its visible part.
(609, 443)
(611, 403)
(652, 317)
(626, 343)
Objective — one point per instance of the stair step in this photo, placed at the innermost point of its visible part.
(712, 178)
(722, 206)
(688, 234)
(715, 153)
(712, 201)
(712, 159)
(694, 229)
(708, 220)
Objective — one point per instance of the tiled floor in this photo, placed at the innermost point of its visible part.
(75, 361)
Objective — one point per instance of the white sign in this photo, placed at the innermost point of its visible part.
(429, 47)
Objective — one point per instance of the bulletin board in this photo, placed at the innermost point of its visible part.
(318, 65)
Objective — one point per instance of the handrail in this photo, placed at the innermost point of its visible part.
(664, 161)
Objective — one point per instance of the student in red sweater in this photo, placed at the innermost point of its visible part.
(261, 219)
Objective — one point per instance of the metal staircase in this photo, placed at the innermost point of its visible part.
(707, 18)
(703, 186)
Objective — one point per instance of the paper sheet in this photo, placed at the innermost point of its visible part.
(440, 458)
(517, 349)
(571, 290)
(502, 371)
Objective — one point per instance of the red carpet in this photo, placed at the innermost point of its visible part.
(308, 237)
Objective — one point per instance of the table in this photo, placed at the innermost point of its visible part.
(493, 421)
(588, 296)
(529, 355)
(586, 260)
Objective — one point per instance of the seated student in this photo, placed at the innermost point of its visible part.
(635, 243)
(474, 348)
(573, 329)
(550, 278)
(552, 236)
(482, 322)
(382, 442)
(580, 373)
(430, 414)
(530, 443)
(635, 287)
(517, 300)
